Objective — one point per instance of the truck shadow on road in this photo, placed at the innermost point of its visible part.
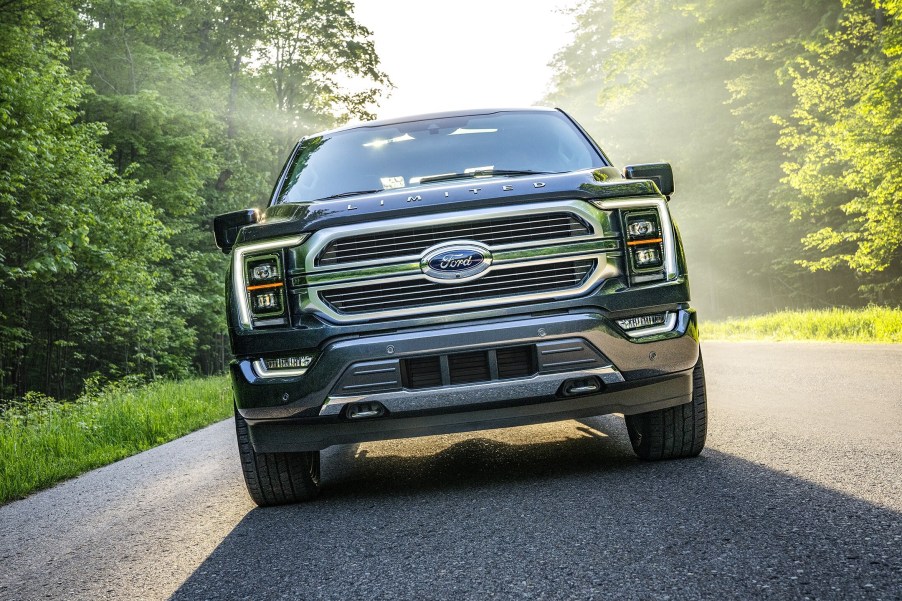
(568, 516)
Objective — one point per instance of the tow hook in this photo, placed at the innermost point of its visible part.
(365, 410)
(581, 386)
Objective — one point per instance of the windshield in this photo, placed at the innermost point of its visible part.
(421, 153)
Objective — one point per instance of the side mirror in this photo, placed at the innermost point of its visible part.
(226, 227)
(660, 173)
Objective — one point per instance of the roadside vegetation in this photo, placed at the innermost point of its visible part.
(43, 441)
(872, 324)
(788, 182)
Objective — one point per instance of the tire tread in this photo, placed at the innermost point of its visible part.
(674, 432)
(276, 478)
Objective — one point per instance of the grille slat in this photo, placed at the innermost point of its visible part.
(454, 231)
(393, 250)
(423, 372)
(469, 367)
(413, 241)
(533, 286)
(515, 362)
(513, 282)
(465, 368)
(418, 285)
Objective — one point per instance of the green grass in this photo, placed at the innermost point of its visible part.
(873, 324)
(43, 442)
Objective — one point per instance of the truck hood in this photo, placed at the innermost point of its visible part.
(293, 218)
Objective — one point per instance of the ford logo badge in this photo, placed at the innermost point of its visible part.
(452, 262)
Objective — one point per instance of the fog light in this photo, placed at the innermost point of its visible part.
(289, 362)
(283, 367)
(649, 325)
(643, 321)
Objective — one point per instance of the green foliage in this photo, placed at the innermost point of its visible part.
(781, 121)
(77, 242)
(844, 138)
(872, 324)
(125, 127)
(43, 441)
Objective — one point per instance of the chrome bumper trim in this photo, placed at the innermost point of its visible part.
(543, 385)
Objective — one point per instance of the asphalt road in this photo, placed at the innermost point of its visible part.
(797, 495)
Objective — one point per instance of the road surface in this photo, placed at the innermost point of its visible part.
(797, 495)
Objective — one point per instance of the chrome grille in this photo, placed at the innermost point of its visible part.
(491, 232)
(516, 281)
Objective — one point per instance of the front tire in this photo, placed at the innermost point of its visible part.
(276, 478)
(674, 432)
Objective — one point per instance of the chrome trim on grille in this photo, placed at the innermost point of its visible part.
(312, 283)
(311, 298)
(320, 240)
(529, 227)
(426, 294)
(499, 259)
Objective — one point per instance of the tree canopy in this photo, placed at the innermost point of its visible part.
(782, 122)
(125, 126)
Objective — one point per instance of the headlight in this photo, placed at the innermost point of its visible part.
(265, 285)
(259, 284)
(649, 238)
(641, 227)
(645, 244)
(264, 270)
(647, 257)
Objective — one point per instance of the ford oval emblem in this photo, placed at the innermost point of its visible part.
(454, 262)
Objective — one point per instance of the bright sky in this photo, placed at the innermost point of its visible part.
(465, 53)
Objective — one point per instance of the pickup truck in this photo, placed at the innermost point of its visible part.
(453, 272)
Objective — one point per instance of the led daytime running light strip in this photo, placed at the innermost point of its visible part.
(264, 286)
(649, 241)
(264, 372)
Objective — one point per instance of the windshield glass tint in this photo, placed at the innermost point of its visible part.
(421, 153)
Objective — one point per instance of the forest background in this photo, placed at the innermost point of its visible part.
(126, 125)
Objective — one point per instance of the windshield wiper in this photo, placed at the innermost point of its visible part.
(517, 172)
(480, 173)
(354, 193)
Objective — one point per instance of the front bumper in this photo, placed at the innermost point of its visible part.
(307, 412)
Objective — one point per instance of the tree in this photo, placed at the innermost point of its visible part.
(76, 240)
(844, 138)
(706, 85)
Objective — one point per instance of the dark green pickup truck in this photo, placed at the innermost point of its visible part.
(455, 272)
